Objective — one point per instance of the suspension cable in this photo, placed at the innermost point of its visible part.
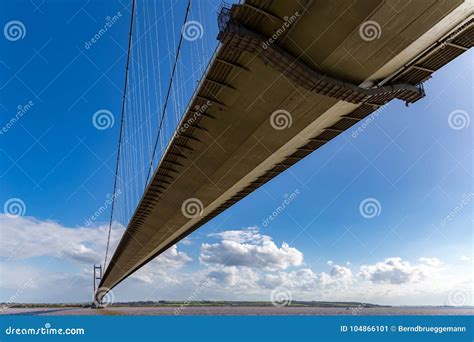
(121, 131)
(168, 93)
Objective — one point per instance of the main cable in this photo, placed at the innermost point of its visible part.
(120, 132)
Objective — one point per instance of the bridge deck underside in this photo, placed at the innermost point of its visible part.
(227, 147)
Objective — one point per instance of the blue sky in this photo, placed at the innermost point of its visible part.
(410, 160)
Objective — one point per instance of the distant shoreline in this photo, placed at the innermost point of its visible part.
(256, 304)
(238, 310)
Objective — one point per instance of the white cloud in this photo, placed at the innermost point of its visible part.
(465, 258)
(25, 237)
(232, 276)
(44, 261)
(249, 235)
(172, 258)
(301, 280)
(64, 271)
(249, 248)
(163, 268)
(307, 280)
(433, 262)
(342, 274)
(187, 241)
(396, 271)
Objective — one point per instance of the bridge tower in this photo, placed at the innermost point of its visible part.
(96, 304)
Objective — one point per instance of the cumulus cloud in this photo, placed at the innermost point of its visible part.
(44, 261)
(163, 268)
(341, 273)
(187, 241)
(172, 258)
(26, 237)
(248, 247)
(396, 271)
(301, 280)
(232, 276)
(306, 279)
(76, 249)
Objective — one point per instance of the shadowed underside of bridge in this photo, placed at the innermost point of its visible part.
(304, 61)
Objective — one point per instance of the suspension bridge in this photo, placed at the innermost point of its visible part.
(282, 79)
